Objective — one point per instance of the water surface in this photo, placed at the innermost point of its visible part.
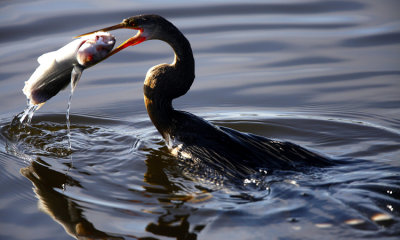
(321, 74)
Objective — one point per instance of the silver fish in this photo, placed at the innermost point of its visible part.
(57, 69)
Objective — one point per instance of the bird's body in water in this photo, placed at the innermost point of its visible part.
(191, 138)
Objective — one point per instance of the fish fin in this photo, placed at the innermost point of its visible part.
(68, 52)
(47, 57)
(75, 76)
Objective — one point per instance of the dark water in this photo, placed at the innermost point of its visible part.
(322, 74)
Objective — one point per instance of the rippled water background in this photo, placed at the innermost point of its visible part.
(322, 74)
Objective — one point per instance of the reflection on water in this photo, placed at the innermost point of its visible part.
(50, 188)
(48, 184)
(321, 74)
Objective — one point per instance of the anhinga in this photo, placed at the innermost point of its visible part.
(191, 138)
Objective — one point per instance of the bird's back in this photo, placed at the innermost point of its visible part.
(234, 153)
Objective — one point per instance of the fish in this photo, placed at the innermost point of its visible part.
(64, 66)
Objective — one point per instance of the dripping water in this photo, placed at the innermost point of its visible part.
(68, 119)
(75, 76)
(25, 117)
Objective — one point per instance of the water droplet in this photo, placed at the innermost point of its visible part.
(323, 225)
(380, 217)
(354, 221)
(297, 228)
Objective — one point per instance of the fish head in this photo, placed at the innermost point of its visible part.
(94, 48)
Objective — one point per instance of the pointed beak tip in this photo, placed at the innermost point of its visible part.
(107, 29)
(85, 34)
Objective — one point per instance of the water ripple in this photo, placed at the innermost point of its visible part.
(336, 78)
(265, 26)
(386, 38)
(46, 25)
(304, 61)
(255, 46)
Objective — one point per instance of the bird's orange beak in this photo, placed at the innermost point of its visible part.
(138, 38)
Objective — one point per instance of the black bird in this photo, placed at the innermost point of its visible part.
(191, 138)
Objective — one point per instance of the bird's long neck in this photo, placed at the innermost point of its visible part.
(165, 82)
